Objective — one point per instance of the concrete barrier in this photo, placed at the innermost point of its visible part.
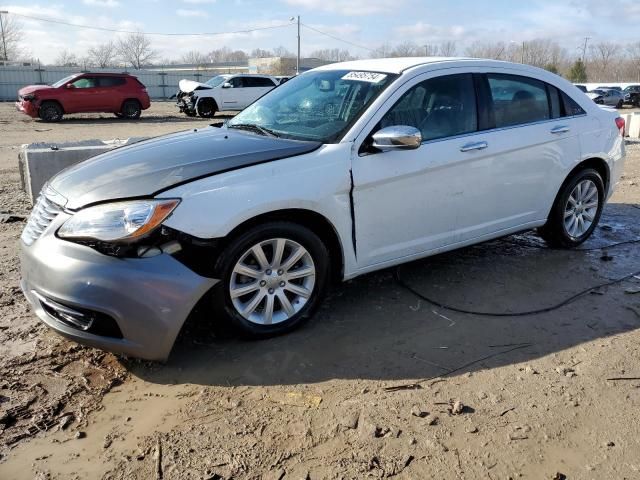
(633, 125)
(38, 162)
(627, 122)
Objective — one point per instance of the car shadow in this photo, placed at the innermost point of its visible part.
(378, 326)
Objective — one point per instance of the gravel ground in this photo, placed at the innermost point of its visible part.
(381, 383)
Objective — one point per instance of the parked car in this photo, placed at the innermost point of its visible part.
(632, 95)
(222, 92)
(614, 87)
(118, 93)
(609, 97)
(582, 88)
(251, 220)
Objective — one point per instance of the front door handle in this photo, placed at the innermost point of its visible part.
(474, 146)
(560, 129)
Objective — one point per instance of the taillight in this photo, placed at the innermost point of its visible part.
(620, 123)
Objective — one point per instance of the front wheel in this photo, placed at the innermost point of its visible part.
(131, 110)
(50, 112)
(576, 211)
(273, 278)
(620, 104)
(207, 108)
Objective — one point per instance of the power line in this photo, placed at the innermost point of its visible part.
(336, 38)
(115, 30)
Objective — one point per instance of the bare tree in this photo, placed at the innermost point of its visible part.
(603, 55)
(103, 55)
(194, 57)
(494, 50)
(332, 54)
(407, 49)
(282, 52)
(261, 53)
(633, 53)
(382, 51)
(448, 49)
(11, 48)
(429, 50)
(136, 50)
(225, 54)
(67, 59)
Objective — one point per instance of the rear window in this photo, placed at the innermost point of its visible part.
(518, 100)
(111, 81)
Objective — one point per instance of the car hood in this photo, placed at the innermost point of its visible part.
(593, 95)
(189, 86)
(33, 88)
(149, 167)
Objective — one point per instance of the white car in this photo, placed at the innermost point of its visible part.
(414, 157)
(222, 92)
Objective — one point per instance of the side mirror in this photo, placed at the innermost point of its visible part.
(227, 85)
(397, 137)
(70, 85)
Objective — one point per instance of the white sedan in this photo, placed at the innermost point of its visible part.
(343, 170)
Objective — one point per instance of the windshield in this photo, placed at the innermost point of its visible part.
(217, 80)
(316, 106)
(59, 83)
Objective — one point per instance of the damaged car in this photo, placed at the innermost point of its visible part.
(222, 92)
(249, 222)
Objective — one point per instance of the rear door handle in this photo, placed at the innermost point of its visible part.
(474, 146)
(560, 129)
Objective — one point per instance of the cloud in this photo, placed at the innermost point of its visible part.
(191, 13)
(348, 7)
(102, 3)
(199, 2)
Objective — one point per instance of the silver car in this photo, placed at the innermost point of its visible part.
(607, 96)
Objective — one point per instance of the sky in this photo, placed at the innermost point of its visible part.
(365, 23)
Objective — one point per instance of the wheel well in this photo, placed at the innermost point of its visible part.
(315, 222)
(42, 102)
(209, 99)
(130, 100)
(599, 165)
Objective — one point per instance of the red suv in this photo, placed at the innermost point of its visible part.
(117, 93)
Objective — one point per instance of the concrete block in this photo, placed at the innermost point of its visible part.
(633, 127)
(627, 122)
(38, 162)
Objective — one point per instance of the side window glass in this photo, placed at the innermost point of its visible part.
(554, 99)
(111, 81)
(571, 107)
(85, 82)
(518, 100)
(237, 82)
(439, 107)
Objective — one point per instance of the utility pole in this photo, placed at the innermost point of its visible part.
(4, 43)
(298, 57)
(584, 49)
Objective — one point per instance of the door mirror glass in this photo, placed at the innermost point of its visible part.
(227, 85)
(397, 137)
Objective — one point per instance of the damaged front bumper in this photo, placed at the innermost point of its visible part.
(134, 306)
(186, 103)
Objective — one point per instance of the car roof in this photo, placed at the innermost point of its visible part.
(400, 64)
(104, 74)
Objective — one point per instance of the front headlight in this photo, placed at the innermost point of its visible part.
(118, 221)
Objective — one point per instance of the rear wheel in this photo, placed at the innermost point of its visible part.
(620, 104)
(273, 278)
(576, 211)
(131, 109)
(50, 112)
(207, 108)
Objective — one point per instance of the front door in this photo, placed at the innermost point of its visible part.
(406, 202)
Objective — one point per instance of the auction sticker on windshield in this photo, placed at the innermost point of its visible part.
(371, 77)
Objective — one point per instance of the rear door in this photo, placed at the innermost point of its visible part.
(112, 90)
(531, 141)
(233, 98)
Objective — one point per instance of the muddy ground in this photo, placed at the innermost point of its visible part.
(391, 378)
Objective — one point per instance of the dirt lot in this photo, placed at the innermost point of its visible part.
(391, 378)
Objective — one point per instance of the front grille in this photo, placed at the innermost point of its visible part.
(43, 213)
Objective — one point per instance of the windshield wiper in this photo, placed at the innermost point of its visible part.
(252, 127)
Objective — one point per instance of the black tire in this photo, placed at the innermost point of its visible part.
(207, 108)
(131, 109)
(554, 232)
(223, 305)
(620, 104)
(50, 112)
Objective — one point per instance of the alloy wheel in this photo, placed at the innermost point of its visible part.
(581, 208)
(272, 281)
